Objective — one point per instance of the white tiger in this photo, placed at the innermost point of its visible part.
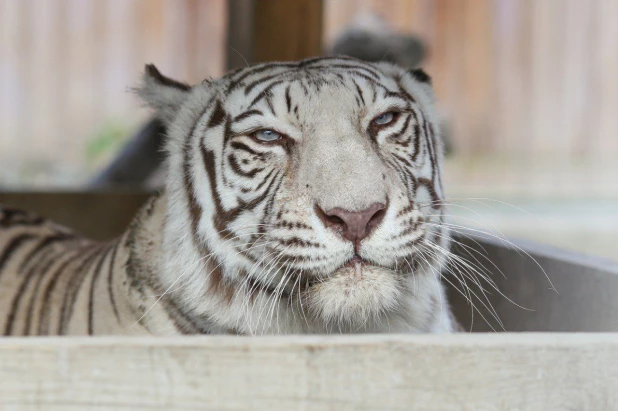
(301, 197)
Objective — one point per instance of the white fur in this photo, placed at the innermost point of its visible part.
(333, 163)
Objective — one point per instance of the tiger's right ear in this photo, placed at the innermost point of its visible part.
(161, 93)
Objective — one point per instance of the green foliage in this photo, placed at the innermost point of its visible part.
(107, 140)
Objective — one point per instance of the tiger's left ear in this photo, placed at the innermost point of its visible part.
(420, 75)
(161, 93)
(421, 82)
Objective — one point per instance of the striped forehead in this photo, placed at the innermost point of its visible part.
(246, 77)
(324, 79)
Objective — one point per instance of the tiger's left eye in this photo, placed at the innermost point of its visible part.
(384, 118)
(267, 135)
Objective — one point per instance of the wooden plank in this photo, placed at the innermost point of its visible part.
(475, 372)
(584, 298)
(273, 30)
(287, 30)
(97, 215)
(239, 49)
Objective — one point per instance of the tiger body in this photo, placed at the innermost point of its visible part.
(301, 197)
(54, 282)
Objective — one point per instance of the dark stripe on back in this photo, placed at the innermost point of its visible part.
(45, 311)
(34, 269)
(12, 247)
(9, 213)
(45, 243)
(110, 278)
(95, 277)
(71, 290)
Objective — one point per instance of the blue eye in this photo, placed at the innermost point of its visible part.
(384, 118)
(267, 135)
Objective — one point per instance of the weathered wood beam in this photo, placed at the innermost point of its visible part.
(535, 287)
(100, 215)
(423, 372)
(273, 30)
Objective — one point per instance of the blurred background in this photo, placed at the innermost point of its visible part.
(528, 93)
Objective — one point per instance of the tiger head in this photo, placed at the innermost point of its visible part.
(304, 197)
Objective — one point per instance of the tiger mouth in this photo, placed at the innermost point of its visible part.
(356, 265)
(354, 261)
(353, 266)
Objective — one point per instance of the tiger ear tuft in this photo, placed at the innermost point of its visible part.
(420, 75)
(163, 94)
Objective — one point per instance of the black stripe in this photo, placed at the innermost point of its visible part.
(396, 94)
(46, 242)
(258, 82)
(266, 178)
(46, 265)
(313, 60)
(353, 67)
(417, 136)
(45, 310)
(153, 72)
(269, 102)
(241, 146)
(403, 160)
(403, 90)
(27, 221)
(432, 157)
(420, 75)
(12, 217)
(401, 131)
(8, 328)
(110, 278)
(9, 213)
(12, 247)
(238, 170)
(95, 276)
(217, 117)
(288, 99)
(71, 290)
(360, 92)
(247, 114)
(256, 70)
(265, 93)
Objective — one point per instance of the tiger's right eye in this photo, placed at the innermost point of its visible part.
(384, 118)
(267, 135)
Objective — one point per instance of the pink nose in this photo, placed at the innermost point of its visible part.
(353, 225)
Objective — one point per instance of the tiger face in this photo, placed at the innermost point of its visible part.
(311, 193)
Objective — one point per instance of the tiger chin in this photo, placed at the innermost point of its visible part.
(301, 197)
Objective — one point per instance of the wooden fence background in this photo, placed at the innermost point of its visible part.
(66, 67)
(517, 78)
